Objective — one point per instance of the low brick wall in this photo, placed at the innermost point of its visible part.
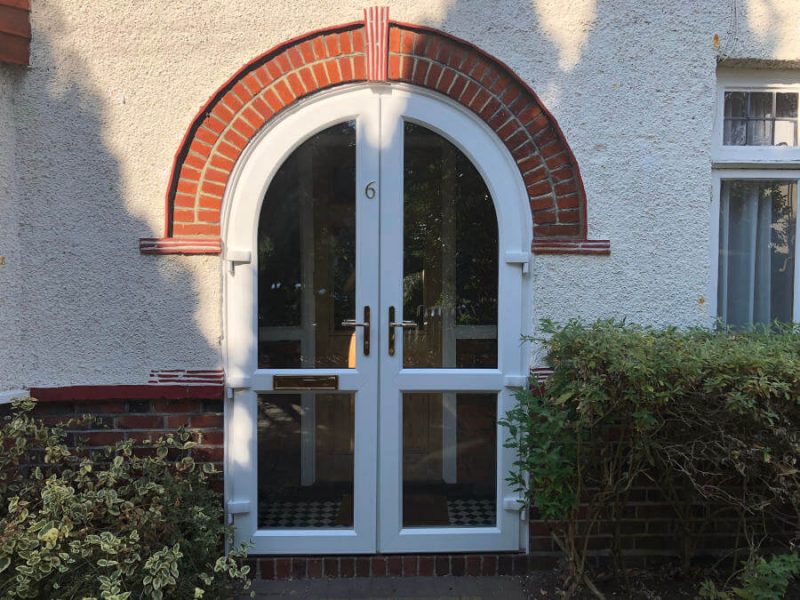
(136, 413)
(649, 534)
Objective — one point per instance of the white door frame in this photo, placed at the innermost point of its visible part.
(490, 159)
(370, 105)
(248, 187)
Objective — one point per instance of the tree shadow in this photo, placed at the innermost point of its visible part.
(92, 309)
(105, 315)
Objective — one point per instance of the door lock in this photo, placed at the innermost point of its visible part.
(365, 324)
(393, 326)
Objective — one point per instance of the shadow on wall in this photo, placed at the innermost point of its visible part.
(593, 69)
(94, 311)
(10, 375)
(772, 22)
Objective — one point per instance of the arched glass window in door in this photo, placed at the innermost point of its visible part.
(450, 257)
(450, 287)
(306, 256)
(306, 289)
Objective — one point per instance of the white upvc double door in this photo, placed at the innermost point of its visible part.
(376, 432)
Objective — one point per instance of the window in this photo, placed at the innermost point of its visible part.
(760, 119)
(756, 161)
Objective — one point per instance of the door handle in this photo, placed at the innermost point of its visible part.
(365, 324)
(393, 325)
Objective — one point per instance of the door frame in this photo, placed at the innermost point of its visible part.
(467, 134)
(242, 205)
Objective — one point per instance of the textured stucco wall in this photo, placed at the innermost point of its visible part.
(113, 86)
(11, 374)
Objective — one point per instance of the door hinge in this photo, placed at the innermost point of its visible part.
(237, 382)
(515, 381)
(238, 507)
(513, 504)
(520, 258)
(237, 257)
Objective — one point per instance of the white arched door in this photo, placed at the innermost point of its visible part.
(376, 243)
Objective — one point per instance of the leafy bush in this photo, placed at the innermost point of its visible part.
(112, 526)
(711, 418)
(760, 580)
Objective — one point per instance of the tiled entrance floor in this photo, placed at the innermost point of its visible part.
(317, 514)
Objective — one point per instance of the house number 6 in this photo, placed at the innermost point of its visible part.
(369, 191)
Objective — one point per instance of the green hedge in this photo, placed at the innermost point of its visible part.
(708, 417)
(117, 525)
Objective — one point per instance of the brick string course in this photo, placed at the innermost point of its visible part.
(418, 56)
(390, 565)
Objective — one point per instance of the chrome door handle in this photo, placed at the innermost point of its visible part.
(393, 325)
(365, 324)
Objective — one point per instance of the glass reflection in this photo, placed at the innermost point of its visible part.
(758, 223)
(305, 461)
(450, 257)
(306, 256)
(449, 460)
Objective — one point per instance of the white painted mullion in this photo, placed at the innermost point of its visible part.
(390, 474)
(368, 153)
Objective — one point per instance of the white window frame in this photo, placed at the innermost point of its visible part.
(739, 175)
(748, 163)
(751, 80)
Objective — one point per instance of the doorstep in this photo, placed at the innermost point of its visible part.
(283, 568)
(418, 588)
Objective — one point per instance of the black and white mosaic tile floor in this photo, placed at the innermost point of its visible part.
(309, 514)
(471, 513)
(313, 514)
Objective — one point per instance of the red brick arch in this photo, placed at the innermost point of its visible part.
(336, 56)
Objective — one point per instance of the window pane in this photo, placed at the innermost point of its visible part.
(759, 133)
(735, 104)
(786, 105)
(306, 256)
(760, 105)
(785, 133)
(735, 132)
(449, 460)
(450, 250)
(758, 221)
(305, 461)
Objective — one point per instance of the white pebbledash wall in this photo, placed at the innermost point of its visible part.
(11, 372)
(88, 134)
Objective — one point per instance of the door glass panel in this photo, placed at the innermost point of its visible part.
(306, 256)
(450, 257)
(305, 461)
(449, 460)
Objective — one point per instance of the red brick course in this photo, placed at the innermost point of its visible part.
(394, 565)
(336, 56)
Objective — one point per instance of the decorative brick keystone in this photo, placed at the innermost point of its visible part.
(376, 24)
